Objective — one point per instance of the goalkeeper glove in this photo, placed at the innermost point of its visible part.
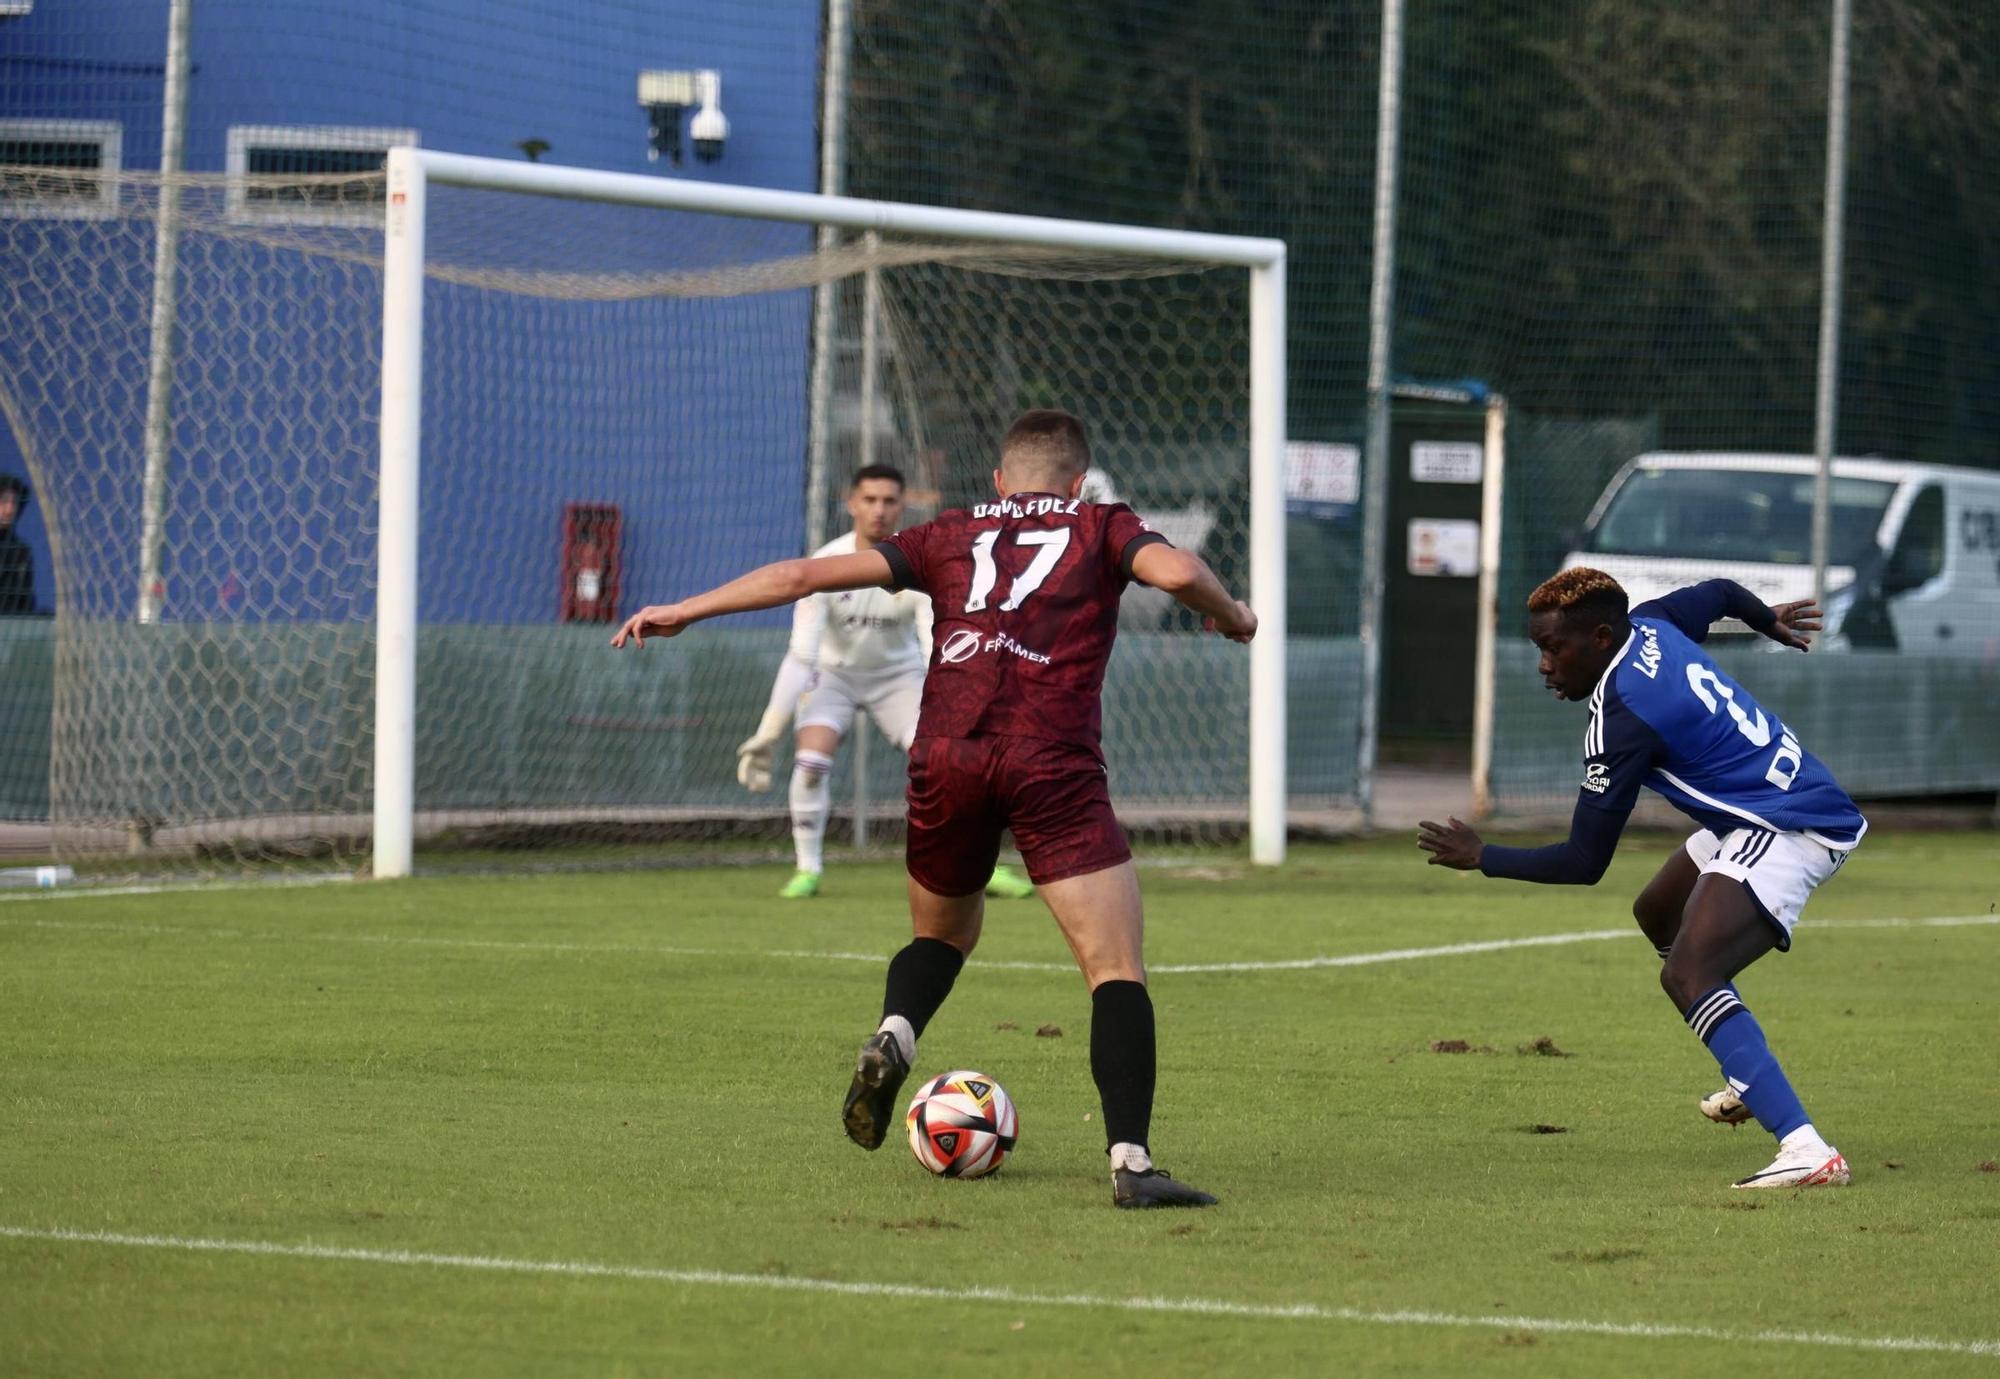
(754, 753)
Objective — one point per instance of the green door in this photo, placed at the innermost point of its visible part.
(1436, 455)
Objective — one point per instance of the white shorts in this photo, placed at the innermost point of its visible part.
(1780, 870)
(891, 697)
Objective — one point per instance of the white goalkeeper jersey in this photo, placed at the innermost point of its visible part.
(862, 630)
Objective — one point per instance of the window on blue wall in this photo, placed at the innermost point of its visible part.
(309, 174)
(59, 169)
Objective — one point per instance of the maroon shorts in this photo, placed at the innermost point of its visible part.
(964, 791)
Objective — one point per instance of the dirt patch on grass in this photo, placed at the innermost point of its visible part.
(1544, 1047)
(1048, 1031)
(921, 1223)
(1544, 1129)
(1458, 1046)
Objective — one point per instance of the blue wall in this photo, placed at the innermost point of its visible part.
(708, 465)
(470, 77)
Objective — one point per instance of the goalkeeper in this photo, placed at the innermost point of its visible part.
(852, 650)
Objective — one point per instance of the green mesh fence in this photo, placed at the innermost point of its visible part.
(1618, 225)
(27, 672)
(1610, 212)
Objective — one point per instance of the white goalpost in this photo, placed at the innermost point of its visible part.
(414, 173)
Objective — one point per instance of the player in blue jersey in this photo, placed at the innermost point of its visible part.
(1774, 823)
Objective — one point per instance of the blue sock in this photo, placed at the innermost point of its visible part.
(1733, 1035)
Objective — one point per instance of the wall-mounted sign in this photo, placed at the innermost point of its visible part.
(1322, 479)
(1445, 547)
(1447, 462)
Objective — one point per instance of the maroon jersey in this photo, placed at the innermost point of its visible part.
(1024, 602)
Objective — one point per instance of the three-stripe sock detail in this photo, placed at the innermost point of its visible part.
(1706, 1015)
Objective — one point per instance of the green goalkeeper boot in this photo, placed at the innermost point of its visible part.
(1008, 884)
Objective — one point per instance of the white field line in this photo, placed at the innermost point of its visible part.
(1935, 922)
(1447, 950)
(38, 896)
(1201, 1307)
(90, 891)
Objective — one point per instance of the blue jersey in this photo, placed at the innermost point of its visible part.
(1665, 717)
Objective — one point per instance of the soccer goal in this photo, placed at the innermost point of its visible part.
(434, 432)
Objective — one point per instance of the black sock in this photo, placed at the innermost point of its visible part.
(1122, 1060)
(920, 977)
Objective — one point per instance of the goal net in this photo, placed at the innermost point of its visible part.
(619, 404)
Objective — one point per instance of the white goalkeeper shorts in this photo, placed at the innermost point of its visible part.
(891, 697)
(1781, 870)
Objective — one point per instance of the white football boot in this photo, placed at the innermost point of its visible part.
(1725, 1107)
(1815, 1164)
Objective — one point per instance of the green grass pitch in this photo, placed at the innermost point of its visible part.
(588, 1124)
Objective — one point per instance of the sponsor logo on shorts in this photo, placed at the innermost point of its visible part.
(962, 645)
(1597, 778)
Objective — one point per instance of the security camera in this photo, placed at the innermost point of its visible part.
(709, 129)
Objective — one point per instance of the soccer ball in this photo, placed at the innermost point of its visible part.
(962, 1125)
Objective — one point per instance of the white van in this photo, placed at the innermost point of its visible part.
(1913, 558)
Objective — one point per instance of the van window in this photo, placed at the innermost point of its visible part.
(1919, 554)
(1738, 514)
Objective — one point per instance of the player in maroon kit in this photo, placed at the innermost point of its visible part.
(1025, 594)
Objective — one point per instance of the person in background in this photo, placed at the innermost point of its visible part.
(17, 562)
